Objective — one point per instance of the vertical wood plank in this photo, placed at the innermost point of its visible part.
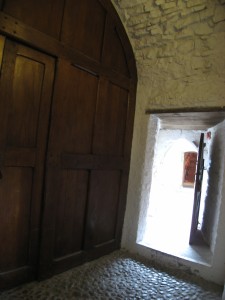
(114, 57)
(2, 45)
(43, 15)
(1, 4)
(83, 26)
(25, 98)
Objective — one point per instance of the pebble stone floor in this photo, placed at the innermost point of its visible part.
(119, 275)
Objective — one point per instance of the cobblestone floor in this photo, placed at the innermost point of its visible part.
(117, 276)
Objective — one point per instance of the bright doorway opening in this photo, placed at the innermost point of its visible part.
(164, 224)
(169, 213)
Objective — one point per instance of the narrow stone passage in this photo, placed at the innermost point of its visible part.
(119, 275)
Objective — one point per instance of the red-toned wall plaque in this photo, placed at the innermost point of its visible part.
(190, 159)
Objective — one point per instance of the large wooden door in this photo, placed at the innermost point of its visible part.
(86, 169)
(25, 97)
(89, 137)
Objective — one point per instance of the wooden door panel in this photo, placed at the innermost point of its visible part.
(2, 44)
(102, 208)
(25, 98)
(111, 118)
(15, 203)
(83, 27)
(71, 205)
(63, 220)
(43, 15)
(114, 57)
(89, 141)
(89, 137)
(27, 87)
(16, 157)
(73, 110)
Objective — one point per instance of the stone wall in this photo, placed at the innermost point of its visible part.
(215, 194)
(179, 47)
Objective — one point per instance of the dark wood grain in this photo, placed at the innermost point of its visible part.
(115, 19)
(1, 4)
(93, 162)
(2, 44)
(115, 56)
(43, 15)
(82, 32)
(73, 109)
(72, 154)
(19, 30)
(71, 205)
(111, 118)
(102, 208)
(26, 86)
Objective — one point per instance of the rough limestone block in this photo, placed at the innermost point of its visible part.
(140, 26)
(181, 4)
(197, 63)
(168, 50)
(145, 42)
(159, 2)
(140, 33)
(169, 30)
(168, 5)
(152, 53)
(220, 27)
(208, 13)
(186, 11)
(138, 20)
(155, 13)
(168, 37)
(192, 3)
(172, 18)
(156, 30)
(186, 46)
(148, 7)
(184, 33)
(202, 29)
(129, 3)
(136, 10)
(198, 8)
(219, 14)
(154, 21)
(171, 11)
(192, 19)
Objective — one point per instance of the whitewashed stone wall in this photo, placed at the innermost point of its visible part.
(179, 47)
(216, 195)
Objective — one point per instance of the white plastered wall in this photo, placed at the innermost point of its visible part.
(136, 210)
(179, 49)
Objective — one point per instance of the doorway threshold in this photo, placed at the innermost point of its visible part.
(199, 254)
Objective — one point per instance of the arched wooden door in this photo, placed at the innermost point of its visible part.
(89, 144)
(90, 125)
